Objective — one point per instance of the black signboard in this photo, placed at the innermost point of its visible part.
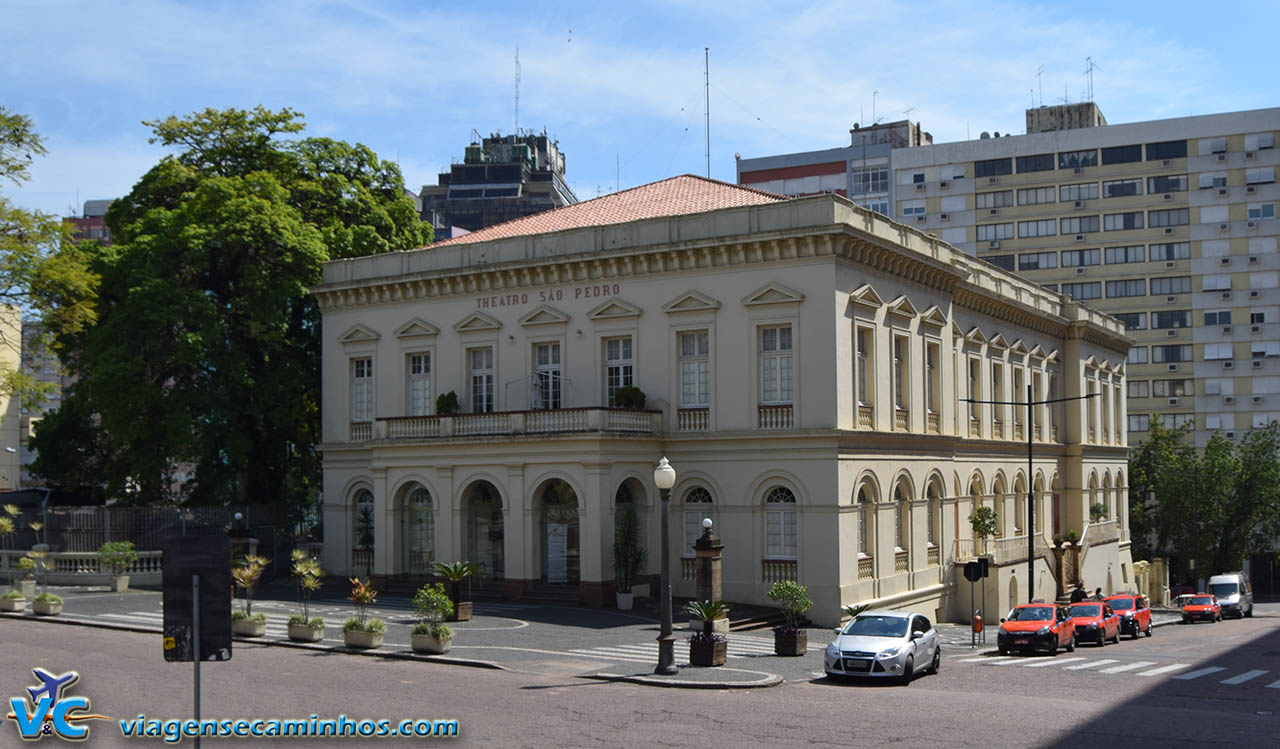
(210, 558)
(972, 572)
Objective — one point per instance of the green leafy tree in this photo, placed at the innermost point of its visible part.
(206, 353)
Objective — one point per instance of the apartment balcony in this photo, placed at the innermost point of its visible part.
(901, 419)
(693, 419)
(866, 568)
(776, 570)
(900, 561)
(552, 421)
(866, 416)
(775, 417)
(934, 555)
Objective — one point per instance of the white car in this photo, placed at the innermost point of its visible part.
(884, 644)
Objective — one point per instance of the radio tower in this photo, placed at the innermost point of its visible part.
(517, 131)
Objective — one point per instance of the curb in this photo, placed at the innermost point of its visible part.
(402, 655)
(770, 680)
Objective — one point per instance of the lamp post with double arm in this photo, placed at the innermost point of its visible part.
(664, 476)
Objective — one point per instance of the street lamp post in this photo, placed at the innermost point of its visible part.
(664, 476)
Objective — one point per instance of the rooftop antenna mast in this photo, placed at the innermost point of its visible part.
(706, 83)
(517, 92)
(1040, 84)
(1088, 71)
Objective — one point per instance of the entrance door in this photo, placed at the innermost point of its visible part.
(417, 524)
(485, 529)
(560, 553)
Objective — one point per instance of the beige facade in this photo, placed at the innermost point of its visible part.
(804, 363)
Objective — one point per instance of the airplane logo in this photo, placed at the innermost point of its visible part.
(51, 685)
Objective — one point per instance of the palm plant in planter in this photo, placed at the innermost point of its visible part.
(360, 631)
(790, 638)
(118, 557)
(246, 576)
(431, 634)
(12, 601)
(47, 604)
(455, 573)
(309, 575)
(708, 647)
(628, 556)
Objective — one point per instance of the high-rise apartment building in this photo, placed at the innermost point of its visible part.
(1170, 225)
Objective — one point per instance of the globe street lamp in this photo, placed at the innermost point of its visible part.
(664, 477)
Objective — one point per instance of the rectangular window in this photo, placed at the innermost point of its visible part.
(1083, 291)
(901, 385)
(1037, 260)
(1132, 320)
(1001, 199)
(997, 391)
(872, 179)
(775, 364)
(695, 369)
(1261, 210)
(1169, 149)
(913, 208)
(1217, 351)
(619, 367)
(1139, 422)
(1040, 228)
(992, 167)
(1259, 141)
(1076, 159)
(1268, 348)
(1215, 283)
(917, 178)
(1127, 287)
(989, 232)
(975, 370)
(1128, 254)
(1084, 191)
(1000, 261)
(419, 378)
(547, 378)
(932, 377)
(362, 389)
(1121, 188)
(480, 362)
(1080, 258)
(1169, 217)
(1122, 221)
(1171, 354)
(1171, 285)
(1175, 183)
(1121, 154)
(1257, 318)
(1137, 355)
(780, 534)
(1035, 195)
(1172, 388)
(1212, 179)
(1138, 389)
(862, 340)
(1217, 317)
(1177, 421)
(1038, 163)
(1171, 319)
(1080, 225)
(1171, 251)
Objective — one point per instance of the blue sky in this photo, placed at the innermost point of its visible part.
(619, 85)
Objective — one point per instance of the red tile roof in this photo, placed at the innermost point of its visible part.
(676, 196)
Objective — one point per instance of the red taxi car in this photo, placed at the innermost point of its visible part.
(1201, 606)
(1095, 621)
(1036, 626)
(1135, 614)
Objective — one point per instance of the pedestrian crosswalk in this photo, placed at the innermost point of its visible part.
(1112, 666)
(740, 646)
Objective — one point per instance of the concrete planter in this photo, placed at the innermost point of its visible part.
(46, 608)
(13, 604)
(625, 601)
(26, 587)
(429, 644)
(248, 627)
(702, 653)
(790, 642)
(120, 583)
(461, 611)
(356, 638)
(305, 633)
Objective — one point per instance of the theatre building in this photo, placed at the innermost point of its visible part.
(805, 364)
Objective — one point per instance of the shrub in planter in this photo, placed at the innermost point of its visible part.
(447, 404)
(310, 576)
(790, 638)
(1097, 512)
(708, 647)
(117, 557)
(249, 625)
(984, 523)
(456, 573)
(12, 601)
(629, 396)
(27, 584)
(47, 604)
(433, 606)
(360, 631)
(628, 556)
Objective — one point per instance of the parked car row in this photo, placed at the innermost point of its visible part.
(1049, 627)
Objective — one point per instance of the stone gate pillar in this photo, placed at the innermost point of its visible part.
(709, 551)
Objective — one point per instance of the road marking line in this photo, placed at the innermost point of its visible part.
(1052, 662)
(593, 654)
(1127, 667)
(1010, 662)
(1163, 670)
(985, 658)
(1246, 676)
(1090, 664)
(1201, 672)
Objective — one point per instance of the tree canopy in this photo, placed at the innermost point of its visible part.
(200, 380)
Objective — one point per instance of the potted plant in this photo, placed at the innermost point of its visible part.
(628, 556)
(360, 631)
(27, 583)
(39, 559)
(1057, 539)
(790, 638)
(629, 396)
(447, 404)
(47, 604)
(455, 573)
(708, 647)
(1072, 538)
(310, 576)
(431, 634)
(37, 526)
(118, 557)
(12, 601)
(1097, 512)
(246, 576)
(984, 523)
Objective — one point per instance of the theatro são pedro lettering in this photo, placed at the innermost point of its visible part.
(594, 291)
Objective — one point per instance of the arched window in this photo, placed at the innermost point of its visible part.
(780, 524)
(900, 528)
(418, 525)
(1019, 507)
(865, 511)
(364, 520)
(698, 506)
(933, 510)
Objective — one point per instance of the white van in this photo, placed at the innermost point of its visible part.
(1233, 592)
